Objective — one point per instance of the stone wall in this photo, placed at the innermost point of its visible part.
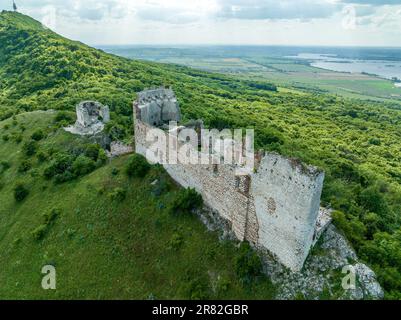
(287, 201)
(276, 207)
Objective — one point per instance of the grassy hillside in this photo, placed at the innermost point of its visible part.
(356, 142)
(104, 246)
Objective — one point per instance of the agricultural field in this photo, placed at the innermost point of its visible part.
(280, 70)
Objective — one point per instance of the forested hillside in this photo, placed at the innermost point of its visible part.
(357, 143)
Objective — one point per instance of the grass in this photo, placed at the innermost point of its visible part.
(105, 249)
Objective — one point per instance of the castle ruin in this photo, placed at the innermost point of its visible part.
(91, 117)
(158, 107)
(275, 207)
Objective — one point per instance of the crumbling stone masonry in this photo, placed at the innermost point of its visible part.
(157, 106)
(91, 117)
(276, 207)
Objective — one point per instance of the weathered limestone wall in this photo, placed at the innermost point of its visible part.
(276, 207)
(287, 201)
(219, 186)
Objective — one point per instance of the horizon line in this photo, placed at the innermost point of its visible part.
(246, 45)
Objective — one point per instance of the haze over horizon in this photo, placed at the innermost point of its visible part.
(221, 22)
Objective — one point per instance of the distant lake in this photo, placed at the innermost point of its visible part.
(381, 68)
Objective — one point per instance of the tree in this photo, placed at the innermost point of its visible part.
(137, 166)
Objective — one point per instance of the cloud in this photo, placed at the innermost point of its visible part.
(374, 2)
(90, 10)
(175, 11)
(271, 9)
(220, 21)
(185, 11)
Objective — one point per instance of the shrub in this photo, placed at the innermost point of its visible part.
(64, 116)
(6, 137)
(42, 156)
(352, 228)
(29, 148)
(18, 138)
(39, 232)
(247, 263)
(60, 165)
(38, 135)
(34, 173)
(24, 166)
(198, 289)
(176, 241)
(118, 194)
(102, 156)
(115, 171)
(20, 192)
(186, 201)
(373, 200)
(92, 151)
(64, 177)
(115, 131)
(375, 141)
(137, 166)
(268, 138)
(82, 166)
(4, 166)
(50, 216)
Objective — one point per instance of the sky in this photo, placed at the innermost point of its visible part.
(221, 22)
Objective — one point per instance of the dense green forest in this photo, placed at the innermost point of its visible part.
(357, 143)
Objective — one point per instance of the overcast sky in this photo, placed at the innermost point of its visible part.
(287, 22)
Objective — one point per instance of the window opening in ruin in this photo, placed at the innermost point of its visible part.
(215, 169)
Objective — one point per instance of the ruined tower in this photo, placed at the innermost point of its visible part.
(14, 6)
(91, 118)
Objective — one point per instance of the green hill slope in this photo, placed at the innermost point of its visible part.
(356, 142)
(104, 246)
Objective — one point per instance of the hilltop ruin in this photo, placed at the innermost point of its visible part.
(276, 207)
(91, 118)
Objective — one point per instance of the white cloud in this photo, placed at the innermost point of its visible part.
(219, 21)
(272, 9)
